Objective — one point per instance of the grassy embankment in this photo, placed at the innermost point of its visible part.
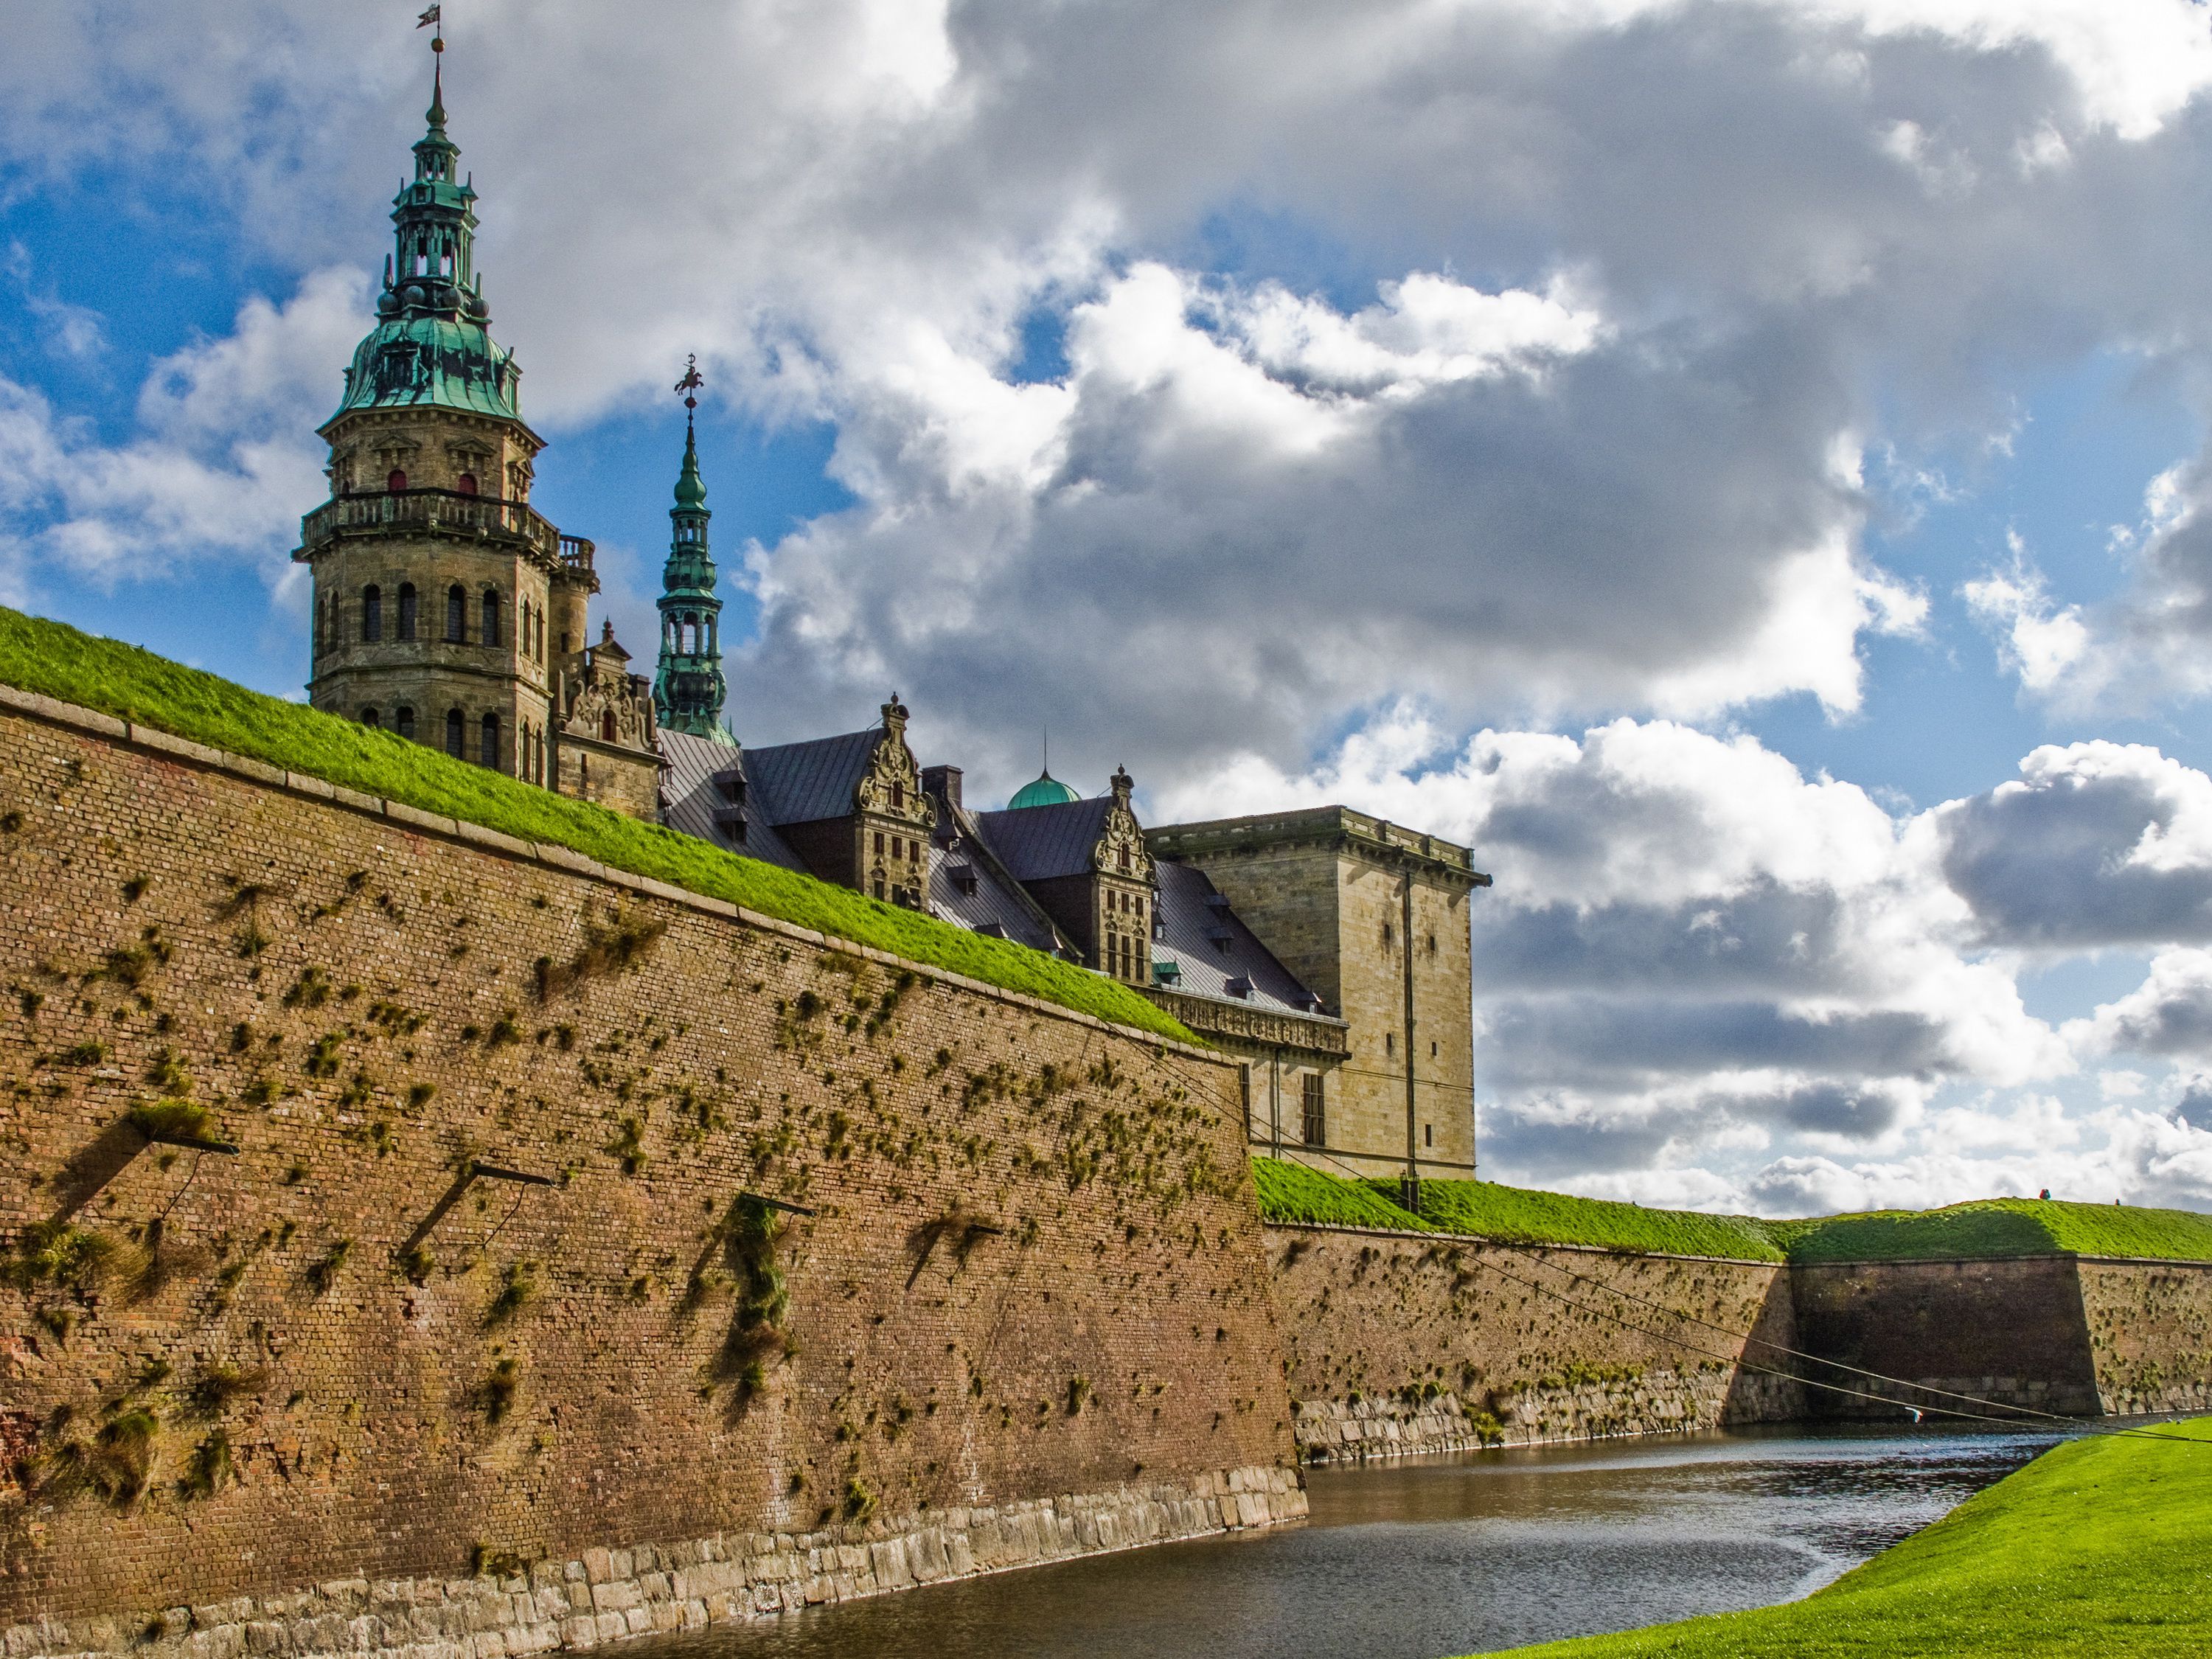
(1984, 1228)
(2095, 1551)
(58, 662)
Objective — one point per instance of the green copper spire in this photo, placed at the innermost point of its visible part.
(689, 689)
(429, 345)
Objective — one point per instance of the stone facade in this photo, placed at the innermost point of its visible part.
(357, 1349)
(1402, 1343)
(1375, 919)
(2149, 1325)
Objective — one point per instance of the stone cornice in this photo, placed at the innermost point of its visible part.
(1376, 840)
(1274, 1028)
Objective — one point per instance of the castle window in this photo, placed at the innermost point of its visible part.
(1433, 945)
(1121, 859)
(879, 843)
(898, 792)
(607, 726)
(491, 615)
(395, 480)
(372, 614)
(368, 718)
(407, 611)
(457, 615)
(1432, 1051)
(1428, 1134)
(490, 752)
(466, 483)
(454, 723)
(1389, 1042)
(1140, 910)
(898, 846)
(1313, 1129)
(1386, 935)
(403, 720)
(914, 852)
(879, 886)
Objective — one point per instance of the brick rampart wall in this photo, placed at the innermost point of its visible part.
(2150, 1333)
(1401, 1343)
(2007, 1331)
(335, 1359)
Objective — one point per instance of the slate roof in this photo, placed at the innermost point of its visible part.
(691, 797)
(997, 900)
(1213, 947)
(807, 782)
(1038, 843)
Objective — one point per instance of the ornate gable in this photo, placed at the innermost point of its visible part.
(1121, 850)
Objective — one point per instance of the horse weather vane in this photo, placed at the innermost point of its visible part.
(689, 385)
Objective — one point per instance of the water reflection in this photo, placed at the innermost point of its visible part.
(1445, 1555)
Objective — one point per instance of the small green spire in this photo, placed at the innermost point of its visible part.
(689, 689)
(690, 488)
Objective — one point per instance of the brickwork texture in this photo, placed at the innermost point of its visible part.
(353, 1350)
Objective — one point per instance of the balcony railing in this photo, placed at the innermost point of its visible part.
(445, 511)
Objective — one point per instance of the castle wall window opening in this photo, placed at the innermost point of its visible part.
(407, 608)
(395, 480)
(368, 718)
(454, 733)
(372, 614)
(457, 615)
(403, 721)
(1314, 1112)
(607, 726)
(490, 752)
(491, 615)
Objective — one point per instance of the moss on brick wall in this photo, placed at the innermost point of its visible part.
(345, 1349)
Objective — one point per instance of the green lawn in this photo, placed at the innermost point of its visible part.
(122, 680)
(1493, 1211)
(1985, 1227)
(1997, 1227)
(1291, 1192)
(2095, 1551)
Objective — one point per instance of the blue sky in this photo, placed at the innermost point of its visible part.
(1698, 452)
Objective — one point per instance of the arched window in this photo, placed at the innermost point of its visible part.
(490, 754)
(403, 721)
(372, 614)
(453, 732)
(370, 719)
(607, 726)
(457, 614)
(395, 480)
(466, 483)
(491, 615)
(407, 611)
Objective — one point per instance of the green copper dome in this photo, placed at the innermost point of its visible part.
(429, 345)
(1045, 790)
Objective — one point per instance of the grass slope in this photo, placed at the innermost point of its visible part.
(58, 661)
(2000, 1227)
(1291, 1192)
(1492, 1210)
(2095, 1550)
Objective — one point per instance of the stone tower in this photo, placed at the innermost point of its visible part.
(445, 608)
(688, 689)
(1375, 917)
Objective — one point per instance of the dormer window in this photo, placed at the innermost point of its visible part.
(1240, 987)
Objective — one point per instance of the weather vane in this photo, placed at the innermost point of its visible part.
(688, 385)
(433, 18)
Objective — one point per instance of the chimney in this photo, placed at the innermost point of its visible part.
(942, 781)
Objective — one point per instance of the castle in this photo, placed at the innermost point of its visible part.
(1327, 950)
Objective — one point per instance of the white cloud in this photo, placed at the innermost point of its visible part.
(224, 455)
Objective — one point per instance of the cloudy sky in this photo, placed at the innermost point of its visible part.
(1741, 465)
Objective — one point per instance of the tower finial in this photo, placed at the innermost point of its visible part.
(688, 385)
(434, 19)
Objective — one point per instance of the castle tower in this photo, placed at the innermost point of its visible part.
(688, 689)
(445, 608)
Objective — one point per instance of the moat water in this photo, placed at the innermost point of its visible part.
(1444, 1555)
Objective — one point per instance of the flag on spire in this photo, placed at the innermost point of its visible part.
(435, 15)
